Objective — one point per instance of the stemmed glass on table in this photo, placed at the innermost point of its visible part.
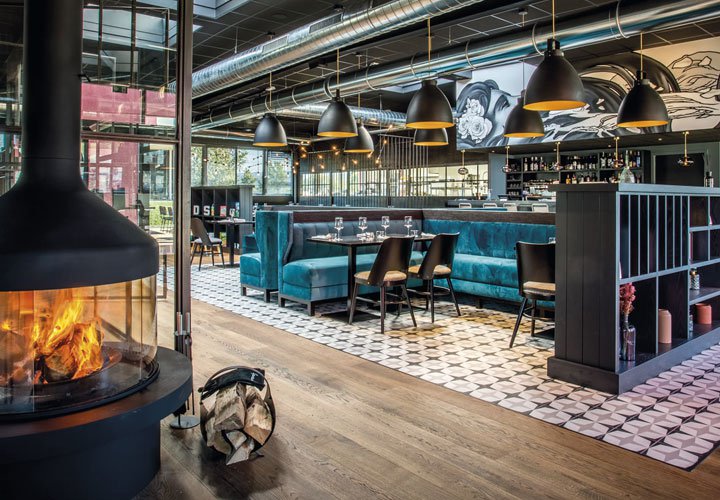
(338, 227)
(408, 223)
(385, 223)
(362, 224)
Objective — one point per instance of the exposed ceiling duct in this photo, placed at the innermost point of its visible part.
(369, 116)
(622, 20)
(337, 31)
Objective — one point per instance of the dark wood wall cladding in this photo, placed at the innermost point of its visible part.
(650, 236)
(372, 215)
(492, 216)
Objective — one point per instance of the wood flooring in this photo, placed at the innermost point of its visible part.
(352, 429)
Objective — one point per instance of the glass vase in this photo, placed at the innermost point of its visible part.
(627, 176)
(627, 340)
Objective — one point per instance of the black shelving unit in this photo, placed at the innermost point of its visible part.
(583, 165)
(612, 234)
(207, 202)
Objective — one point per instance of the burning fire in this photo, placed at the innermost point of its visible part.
(62, 343)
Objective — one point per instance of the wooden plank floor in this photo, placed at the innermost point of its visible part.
(350, 428)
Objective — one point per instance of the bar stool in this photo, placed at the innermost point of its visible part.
(437, 264)
(389, 270)
(203, 241)
(536, 279)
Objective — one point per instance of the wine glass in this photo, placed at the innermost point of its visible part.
(338, 227)
(408, 223)
(362, 224)
(385, 222)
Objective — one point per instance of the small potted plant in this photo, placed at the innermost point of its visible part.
(627, 331)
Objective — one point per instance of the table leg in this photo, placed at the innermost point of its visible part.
(165, 277)
(352, 266)
(232, 230)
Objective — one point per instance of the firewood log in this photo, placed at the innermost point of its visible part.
(215, 439)
(230, 408)
(258, 421)
(242, 452)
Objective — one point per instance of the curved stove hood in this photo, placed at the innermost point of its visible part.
(54, 233)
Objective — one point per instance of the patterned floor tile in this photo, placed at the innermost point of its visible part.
(674, 417)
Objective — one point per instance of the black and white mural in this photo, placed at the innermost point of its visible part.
(687, 75)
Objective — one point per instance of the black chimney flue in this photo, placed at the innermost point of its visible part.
(52, 63)
(54, 233)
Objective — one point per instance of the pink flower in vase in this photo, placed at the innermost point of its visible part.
(627, 297)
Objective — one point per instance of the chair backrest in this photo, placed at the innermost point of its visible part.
(171, 211)
(535, 262)
(162, 209)
(197, 227)
(440, 253)
(540, 207)
(511, 207)
(464, 205)
(394, 255)
(489, 205)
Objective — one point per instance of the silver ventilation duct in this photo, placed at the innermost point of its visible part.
(321, 37)
(622, 20)
(369, 116)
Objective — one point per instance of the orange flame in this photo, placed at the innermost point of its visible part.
(68, 346)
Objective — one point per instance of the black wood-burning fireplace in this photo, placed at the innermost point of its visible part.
(83, 384)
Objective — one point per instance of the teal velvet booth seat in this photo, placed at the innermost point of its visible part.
(485, 262)
(310, 273)
(258, 269)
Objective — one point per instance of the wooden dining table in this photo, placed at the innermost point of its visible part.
(352, 243)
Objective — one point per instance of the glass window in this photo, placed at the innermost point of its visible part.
(221, 167)
(278, 177)
(250, 168)
(196, 165)
(9, 160)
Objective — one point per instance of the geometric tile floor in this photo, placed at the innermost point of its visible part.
(674, 418)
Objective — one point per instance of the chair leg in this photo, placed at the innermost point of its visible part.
(407, 299)
(382, 309)
(432, 302)
(427, 298)
(202, 252)
(222, 257)
(212, 255)
(532, 322)
(243, 291)
(517, 322)
(452, 295)
(399, 306)
(353, 301)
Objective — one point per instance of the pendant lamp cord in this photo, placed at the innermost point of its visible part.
(429, 42)
(617, 161)
(270, 91)
(641, 52)
(337, 72)
(553, 19)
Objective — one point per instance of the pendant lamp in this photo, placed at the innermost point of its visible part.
(431, 137)
(363, 142)
(554, 85)
(642, 106)
(337, 119)
(429, 108)
(686, 161)
(270, 133)
(523, 123)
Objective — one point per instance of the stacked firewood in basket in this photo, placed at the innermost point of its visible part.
(240, 420)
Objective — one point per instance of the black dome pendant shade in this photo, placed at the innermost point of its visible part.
(337, 120)
(431, 137)
(270, 133)
(642, 106)
(361, 143)
(554, 85)
(429, 108)
(523, 123)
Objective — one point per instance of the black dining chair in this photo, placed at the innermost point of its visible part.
(390, 270)
(203, 242)
(166, 217)
(143, 216)
(437, 264)
(536, 279)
